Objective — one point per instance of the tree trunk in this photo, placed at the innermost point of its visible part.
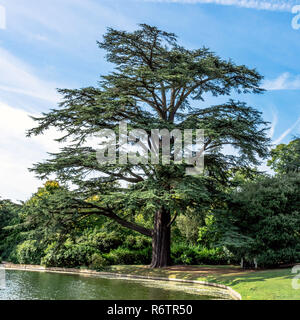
(161, 240)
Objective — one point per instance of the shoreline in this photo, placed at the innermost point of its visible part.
(87, 272)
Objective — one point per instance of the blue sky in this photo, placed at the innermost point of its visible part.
(51, 44)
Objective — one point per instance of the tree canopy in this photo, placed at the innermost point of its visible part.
(156, 84)
(261, 220)
(286, 157)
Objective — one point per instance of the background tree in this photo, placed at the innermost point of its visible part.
(8, 216)
(262, 220)
(29, 231)
(286, 157)
(189, 224)
(156, 84)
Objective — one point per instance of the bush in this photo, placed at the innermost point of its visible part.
(28, 252)
(195, 255)
(215, 256)
(69, 255)
(107, 241)
(183, 254)
(98, 262)
(127, 256)
(137, 242)
(272, 258)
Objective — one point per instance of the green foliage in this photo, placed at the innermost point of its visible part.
(155, 84)
(189, 225)
(98, 262)
(127, 256)
(286, 158)
(101, 240)
(196, 255)
(137, 242)
(262, 221)
(208, 235)
(29, 252)
(8, 216)
(70, 255)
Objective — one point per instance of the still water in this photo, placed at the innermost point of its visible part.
(26, 285)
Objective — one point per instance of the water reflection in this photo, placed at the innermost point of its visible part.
(25, 285)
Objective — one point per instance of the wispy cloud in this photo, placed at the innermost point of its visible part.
(287, 132)
(17, 77)
(273, 125)
(64, 22)
(273, 5)
(285, 81)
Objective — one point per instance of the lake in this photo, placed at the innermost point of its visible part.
(26, 285)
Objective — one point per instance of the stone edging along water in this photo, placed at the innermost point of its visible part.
(23, 267)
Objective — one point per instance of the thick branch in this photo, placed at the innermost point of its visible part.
(119, 220)
(131, 225)
(111, 215)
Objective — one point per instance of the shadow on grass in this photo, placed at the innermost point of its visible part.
(257, 276)
(228, 275)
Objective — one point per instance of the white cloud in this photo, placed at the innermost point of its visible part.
(273, 5)
(285, 81)
(18, 153)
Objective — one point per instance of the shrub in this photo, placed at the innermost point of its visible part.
(127, 256)
(136, 242)
(98, 262)
(183, 254)
(195, 255)
(213, 256)
(28, 252)
(107, 241)
(69, 255)
(271, 258)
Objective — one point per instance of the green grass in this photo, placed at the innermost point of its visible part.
(252, 285)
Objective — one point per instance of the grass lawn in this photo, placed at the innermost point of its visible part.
(252, 285)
